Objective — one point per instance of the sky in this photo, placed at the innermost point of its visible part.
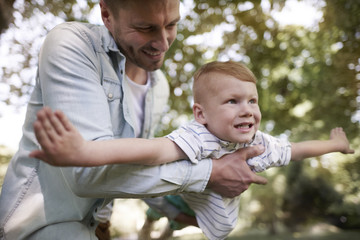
(299, 13)
(12, 119)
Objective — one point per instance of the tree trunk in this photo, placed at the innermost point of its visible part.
(6, 10)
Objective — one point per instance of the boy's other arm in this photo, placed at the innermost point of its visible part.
(62, 145)
(338, 142)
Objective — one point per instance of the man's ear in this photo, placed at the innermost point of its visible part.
(199, 113)
(105, 14)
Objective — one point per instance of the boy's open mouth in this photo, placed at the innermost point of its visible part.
(244, 125)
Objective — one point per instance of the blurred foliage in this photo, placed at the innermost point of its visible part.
(308, 83)
(308, 195)
(31, 20)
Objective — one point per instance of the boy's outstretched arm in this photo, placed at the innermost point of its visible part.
(62, 145)
(338, 142)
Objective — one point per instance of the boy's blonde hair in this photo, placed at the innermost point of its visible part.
(234, 69)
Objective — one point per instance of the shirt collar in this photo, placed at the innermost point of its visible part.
(108, 41)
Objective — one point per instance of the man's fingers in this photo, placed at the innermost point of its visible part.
(231, 175)
(259, 179)
(253, 151)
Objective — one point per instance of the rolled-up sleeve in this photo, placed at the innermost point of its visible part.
(138, 181)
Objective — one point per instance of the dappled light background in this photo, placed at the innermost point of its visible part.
(306, 56)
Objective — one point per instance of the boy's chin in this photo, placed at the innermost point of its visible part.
(243, 140)
(249, 139)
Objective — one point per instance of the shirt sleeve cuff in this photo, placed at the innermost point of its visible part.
(194, 177)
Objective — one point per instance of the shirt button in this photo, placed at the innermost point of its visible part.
(110, 95)
(121, 71)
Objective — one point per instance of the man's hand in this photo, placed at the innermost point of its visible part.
(231, 175)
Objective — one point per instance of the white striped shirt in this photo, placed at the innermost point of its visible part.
(216, 215)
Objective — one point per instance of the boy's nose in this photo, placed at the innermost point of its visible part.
(245, 111)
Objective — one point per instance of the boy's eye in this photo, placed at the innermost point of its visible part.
(231, 101)
(253, 101)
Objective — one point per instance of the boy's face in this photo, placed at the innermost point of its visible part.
(230, 108)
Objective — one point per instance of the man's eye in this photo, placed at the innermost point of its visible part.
(172, 25)
(145, 29)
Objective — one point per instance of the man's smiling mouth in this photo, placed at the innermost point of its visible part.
(152, 53)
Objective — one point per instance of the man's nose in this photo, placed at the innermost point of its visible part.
(161, 41)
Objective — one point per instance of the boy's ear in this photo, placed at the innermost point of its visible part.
(199, 113)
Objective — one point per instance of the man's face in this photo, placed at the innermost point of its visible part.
(144, 30)
(230, 108)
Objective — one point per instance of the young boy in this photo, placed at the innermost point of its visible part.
(227, 117)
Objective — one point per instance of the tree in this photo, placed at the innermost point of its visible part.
(29, 23)
(6, 9)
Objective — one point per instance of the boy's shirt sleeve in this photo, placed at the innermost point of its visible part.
(277, 152)
(188, 139)
(196, 141)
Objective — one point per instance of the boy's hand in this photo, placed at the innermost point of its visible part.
(60, 141)
(231, 175)
(339, 136)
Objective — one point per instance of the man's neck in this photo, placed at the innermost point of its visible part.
(136, 74)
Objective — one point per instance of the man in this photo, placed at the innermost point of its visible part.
(82, 72)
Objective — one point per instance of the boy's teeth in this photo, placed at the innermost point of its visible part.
(244, 125)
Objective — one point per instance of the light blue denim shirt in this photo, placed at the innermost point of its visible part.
(81, 72)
